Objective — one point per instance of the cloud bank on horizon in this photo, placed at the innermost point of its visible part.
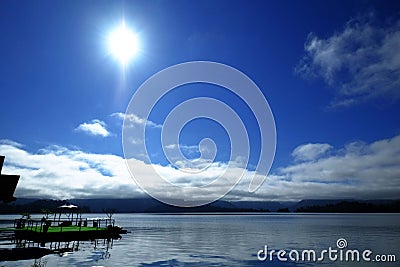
(357, 170)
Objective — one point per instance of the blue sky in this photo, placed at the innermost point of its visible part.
(330, 71)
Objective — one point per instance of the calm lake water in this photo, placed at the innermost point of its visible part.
(230, 240)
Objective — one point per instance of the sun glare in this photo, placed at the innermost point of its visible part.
(123, 44)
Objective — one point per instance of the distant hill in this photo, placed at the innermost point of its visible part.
(150, 205)
(262, 205)
(29, 205)
(136, 205)
(316, 202)
(353, 206)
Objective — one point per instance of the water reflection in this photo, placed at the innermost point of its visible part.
(224, 240)
(22, 249)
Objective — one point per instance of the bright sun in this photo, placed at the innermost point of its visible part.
(123, 44)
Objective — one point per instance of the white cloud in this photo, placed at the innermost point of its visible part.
(310, 151)
(132, 120)
(95, 127)
(134, 140)
(10, 142)
(191, 157)
(357, 170)
(188, 149)
(118, 115)
(57, 172)
(170, 146)
(361, 62)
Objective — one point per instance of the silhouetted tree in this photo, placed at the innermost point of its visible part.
(109, 212)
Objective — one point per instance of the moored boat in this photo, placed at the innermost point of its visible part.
(65, 228)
